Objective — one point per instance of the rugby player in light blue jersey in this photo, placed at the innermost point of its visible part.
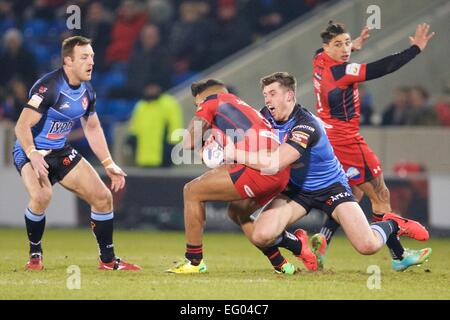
(43, 157)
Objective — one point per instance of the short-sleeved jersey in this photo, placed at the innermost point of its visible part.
(337, 98)
(317, 168)
(60, 105)
(245, 125)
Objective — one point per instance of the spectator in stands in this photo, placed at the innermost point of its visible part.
(420, 112)
(150, 62)
(225, 39)
(443, 106)
(7, 17)
(129, 22)
(269, 15)
(395, 113)
(15, 98)
(97, 27)
(366, 99)
(190, 36)
(154, 119)
(16, 61)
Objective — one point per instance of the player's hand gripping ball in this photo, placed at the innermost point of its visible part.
(212, 154)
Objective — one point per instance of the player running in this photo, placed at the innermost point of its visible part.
(43, 157)
(317, 180)
(336, 88)
(229, 116)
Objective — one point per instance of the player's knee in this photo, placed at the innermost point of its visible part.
(189, 190)
(261, 239)
(367, 247)
(42, 198)
(103, 200)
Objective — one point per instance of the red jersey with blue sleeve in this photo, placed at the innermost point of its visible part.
(233, 117)
(336, 89)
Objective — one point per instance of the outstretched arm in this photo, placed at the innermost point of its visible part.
(396, 61)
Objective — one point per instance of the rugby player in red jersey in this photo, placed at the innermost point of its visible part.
(336, 81)
(227, 116)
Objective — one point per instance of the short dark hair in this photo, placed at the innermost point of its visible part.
(70, 43)
(333, 30)
(200, 86)
(283, 78)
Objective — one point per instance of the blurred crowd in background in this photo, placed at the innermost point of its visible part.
(143, 48)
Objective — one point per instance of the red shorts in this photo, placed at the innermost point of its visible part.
(250, 183)
(360, 163)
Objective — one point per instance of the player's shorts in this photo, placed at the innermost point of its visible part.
(60, 161)
(250, 183)
(326, 199)
(360, 163)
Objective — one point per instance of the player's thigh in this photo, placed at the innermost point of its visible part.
(85, 182)
(354, 223)
(39, 190)
(279, 214)
(213, 185)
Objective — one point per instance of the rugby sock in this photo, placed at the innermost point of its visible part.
(329, 228)
(393, 243)
(102, 227)
(385, 229)
(35, 224)
(274, 255)
(289, 241)
(194, 253)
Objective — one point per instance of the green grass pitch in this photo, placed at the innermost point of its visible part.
(236, 270)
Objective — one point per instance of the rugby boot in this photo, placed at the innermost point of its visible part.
(286, 268)
(185, 266)
(411, 258)
(118, 264)
(306, 255)
(319, 248)
(408, 227)
(35, 262)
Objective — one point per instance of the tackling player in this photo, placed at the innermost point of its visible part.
(43, 157)
(228, 116)
(336, 88)
(317, 179)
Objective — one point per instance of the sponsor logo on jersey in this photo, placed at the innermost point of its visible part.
(59, 129)
(304, 126)
(35, 101)
(353, 69)
(353, 173)
(84, 102)
(300, 137)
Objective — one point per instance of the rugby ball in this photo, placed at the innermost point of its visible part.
(213, 155)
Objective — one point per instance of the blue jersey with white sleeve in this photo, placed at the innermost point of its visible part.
(317, 167)
(61, 105)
